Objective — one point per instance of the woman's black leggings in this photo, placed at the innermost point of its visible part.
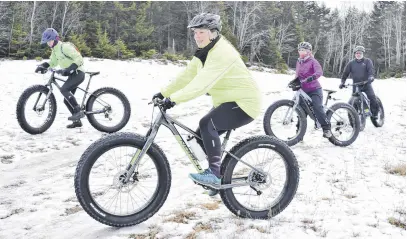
(225, 117)
(69, 87)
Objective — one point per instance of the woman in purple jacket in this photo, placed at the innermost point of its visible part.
(308, 70)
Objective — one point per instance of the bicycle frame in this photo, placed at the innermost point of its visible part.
(169, 122)
(300, 94)
(364, 99)
(52, 80)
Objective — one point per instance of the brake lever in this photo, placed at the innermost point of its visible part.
(155, 101)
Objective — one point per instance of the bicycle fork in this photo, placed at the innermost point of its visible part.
(366, 112)
(45, 101)
(140, 153)
(289, 114)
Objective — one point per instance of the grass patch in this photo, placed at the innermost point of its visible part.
(200, 227)
(181, 217)
(399, 169)
(397, 222)
(211, 205)
(154, 230)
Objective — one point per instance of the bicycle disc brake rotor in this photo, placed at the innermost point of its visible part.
(339, 125)
(39, 111)
(120, 184)
(108, 111)
(259, 181)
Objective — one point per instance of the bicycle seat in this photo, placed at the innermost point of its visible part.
(330, 91)
(93, 73)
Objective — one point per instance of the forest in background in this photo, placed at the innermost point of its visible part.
(265, 33)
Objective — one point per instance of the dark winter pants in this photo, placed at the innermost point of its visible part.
(317, 105)
(368, 89)
(68, 89)
(225, 117)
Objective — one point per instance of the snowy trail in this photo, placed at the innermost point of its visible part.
(343, 192)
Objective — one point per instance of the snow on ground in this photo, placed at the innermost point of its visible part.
(343, 192)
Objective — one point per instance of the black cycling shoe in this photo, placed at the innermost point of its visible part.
(74, 124)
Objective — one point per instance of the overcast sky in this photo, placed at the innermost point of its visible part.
(362, 5)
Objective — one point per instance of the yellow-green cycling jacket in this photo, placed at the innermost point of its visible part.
(66, 56)
(224, 76)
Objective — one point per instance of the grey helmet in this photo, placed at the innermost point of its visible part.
(305, 45)
(206, 20)
(359, 48)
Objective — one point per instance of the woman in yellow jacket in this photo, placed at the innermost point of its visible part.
(218, 70)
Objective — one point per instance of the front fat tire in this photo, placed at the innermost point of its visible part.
(21, 104)
(302, 117)
(355, 124)
(89, 157)
(354, 101)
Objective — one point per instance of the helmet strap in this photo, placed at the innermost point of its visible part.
(55, 43)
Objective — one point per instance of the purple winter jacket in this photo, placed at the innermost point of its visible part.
(306, 68)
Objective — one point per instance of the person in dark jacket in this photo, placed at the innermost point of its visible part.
(361, 69)
(308, 70)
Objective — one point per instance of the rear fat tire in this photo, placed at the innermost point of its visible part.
(123, 99)
(290, 187)
(374, 121)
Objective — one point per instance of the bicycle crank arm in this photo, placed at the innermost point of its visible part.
(233, 185)
(94, 112)
(224, 186)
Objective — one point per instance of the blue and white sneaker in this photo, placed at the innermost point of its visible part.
(206, 178)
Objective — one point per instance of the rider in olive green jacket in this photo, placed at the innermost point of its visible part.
(218, 70)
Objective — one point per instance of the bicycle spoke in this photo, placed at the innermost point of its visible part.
(118, 198)
(247, 196)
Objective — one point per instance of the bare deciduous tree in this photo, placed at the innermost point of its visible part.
(54, 15)
(32, 23)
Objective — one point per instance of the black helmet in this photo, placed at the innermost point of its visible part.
(206, 20)
(305, 45)
(358, 48)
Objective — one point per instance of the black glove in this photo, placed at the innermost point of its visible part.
(342, 85)
(294, 81)
(158, 95)
(371, 79)
(43, 68)
(295, 87)
(309, 79)
(68, 71)
(168, 104)
(295, 84)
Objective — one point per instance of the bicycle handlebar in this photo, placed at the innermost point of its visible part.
(357, 84)
(156, 101)
(50, 69)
